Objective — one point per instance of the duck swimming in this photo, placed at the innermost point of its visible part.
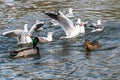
(91, 45)
(27, 51)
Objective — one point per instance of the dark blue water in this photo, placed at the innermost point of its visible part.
(62, 59)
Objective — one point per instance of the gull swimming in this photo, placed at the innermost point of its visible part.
(67, 25)
(70, 13)
(97, 27)
(46, 39)
(22, 36)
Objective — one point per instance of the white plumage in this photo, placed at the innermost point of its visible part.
(46, 39)
(97, 27)
(70, 29)
(70, 13)
(22, 36)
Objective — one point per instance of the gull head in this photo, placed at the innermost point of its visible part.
(78, 21)
(99, 22)
(70, 11)
(26, 28)
(50, 33)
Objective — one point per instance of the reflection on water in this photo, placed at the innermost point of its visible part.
(8, 2)
(62, 59)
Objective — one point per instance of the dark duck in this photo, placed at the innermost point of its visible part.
(91, 45)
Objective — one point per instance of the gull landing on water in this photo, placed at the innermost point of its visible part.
(22, 36)
(70, 13)
(97, 27)
(70, 29)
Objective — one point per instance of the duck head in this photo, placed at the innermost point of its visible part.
(87, 41)
(95, 42)
(35, 41)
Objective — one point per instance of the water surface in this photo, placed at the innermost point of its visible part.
(61, 59)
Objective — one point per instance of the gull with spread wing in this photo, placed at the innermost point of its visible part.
(22, 36)
(67, 25)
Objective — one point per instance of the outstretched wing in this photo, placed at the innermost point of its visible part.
(12, 33)
(67, 24)
(36, 26)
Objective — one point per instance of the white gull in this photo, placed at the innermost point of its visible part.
(22, 36)
(46, 39)
(81, 26)
(67, 25)
(97, 27)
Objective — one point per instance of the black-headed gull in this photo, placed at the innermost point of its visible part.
(79, 21)
(70, 29)
(22, 36)
(70, 13)
(49, 38)
(80, 25)
(97, 27)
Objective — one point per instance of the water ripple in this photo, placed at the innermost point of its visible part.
(62, 59)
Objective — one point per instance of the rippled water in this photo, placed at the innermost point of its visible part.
(62, 59)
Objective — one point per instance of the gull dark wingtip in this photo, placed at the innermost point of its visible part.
(51, 15)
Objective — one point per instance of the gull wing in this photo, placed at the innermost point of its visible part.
(12, 33)
(53, 16)
(67, 24)
(36, 26)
